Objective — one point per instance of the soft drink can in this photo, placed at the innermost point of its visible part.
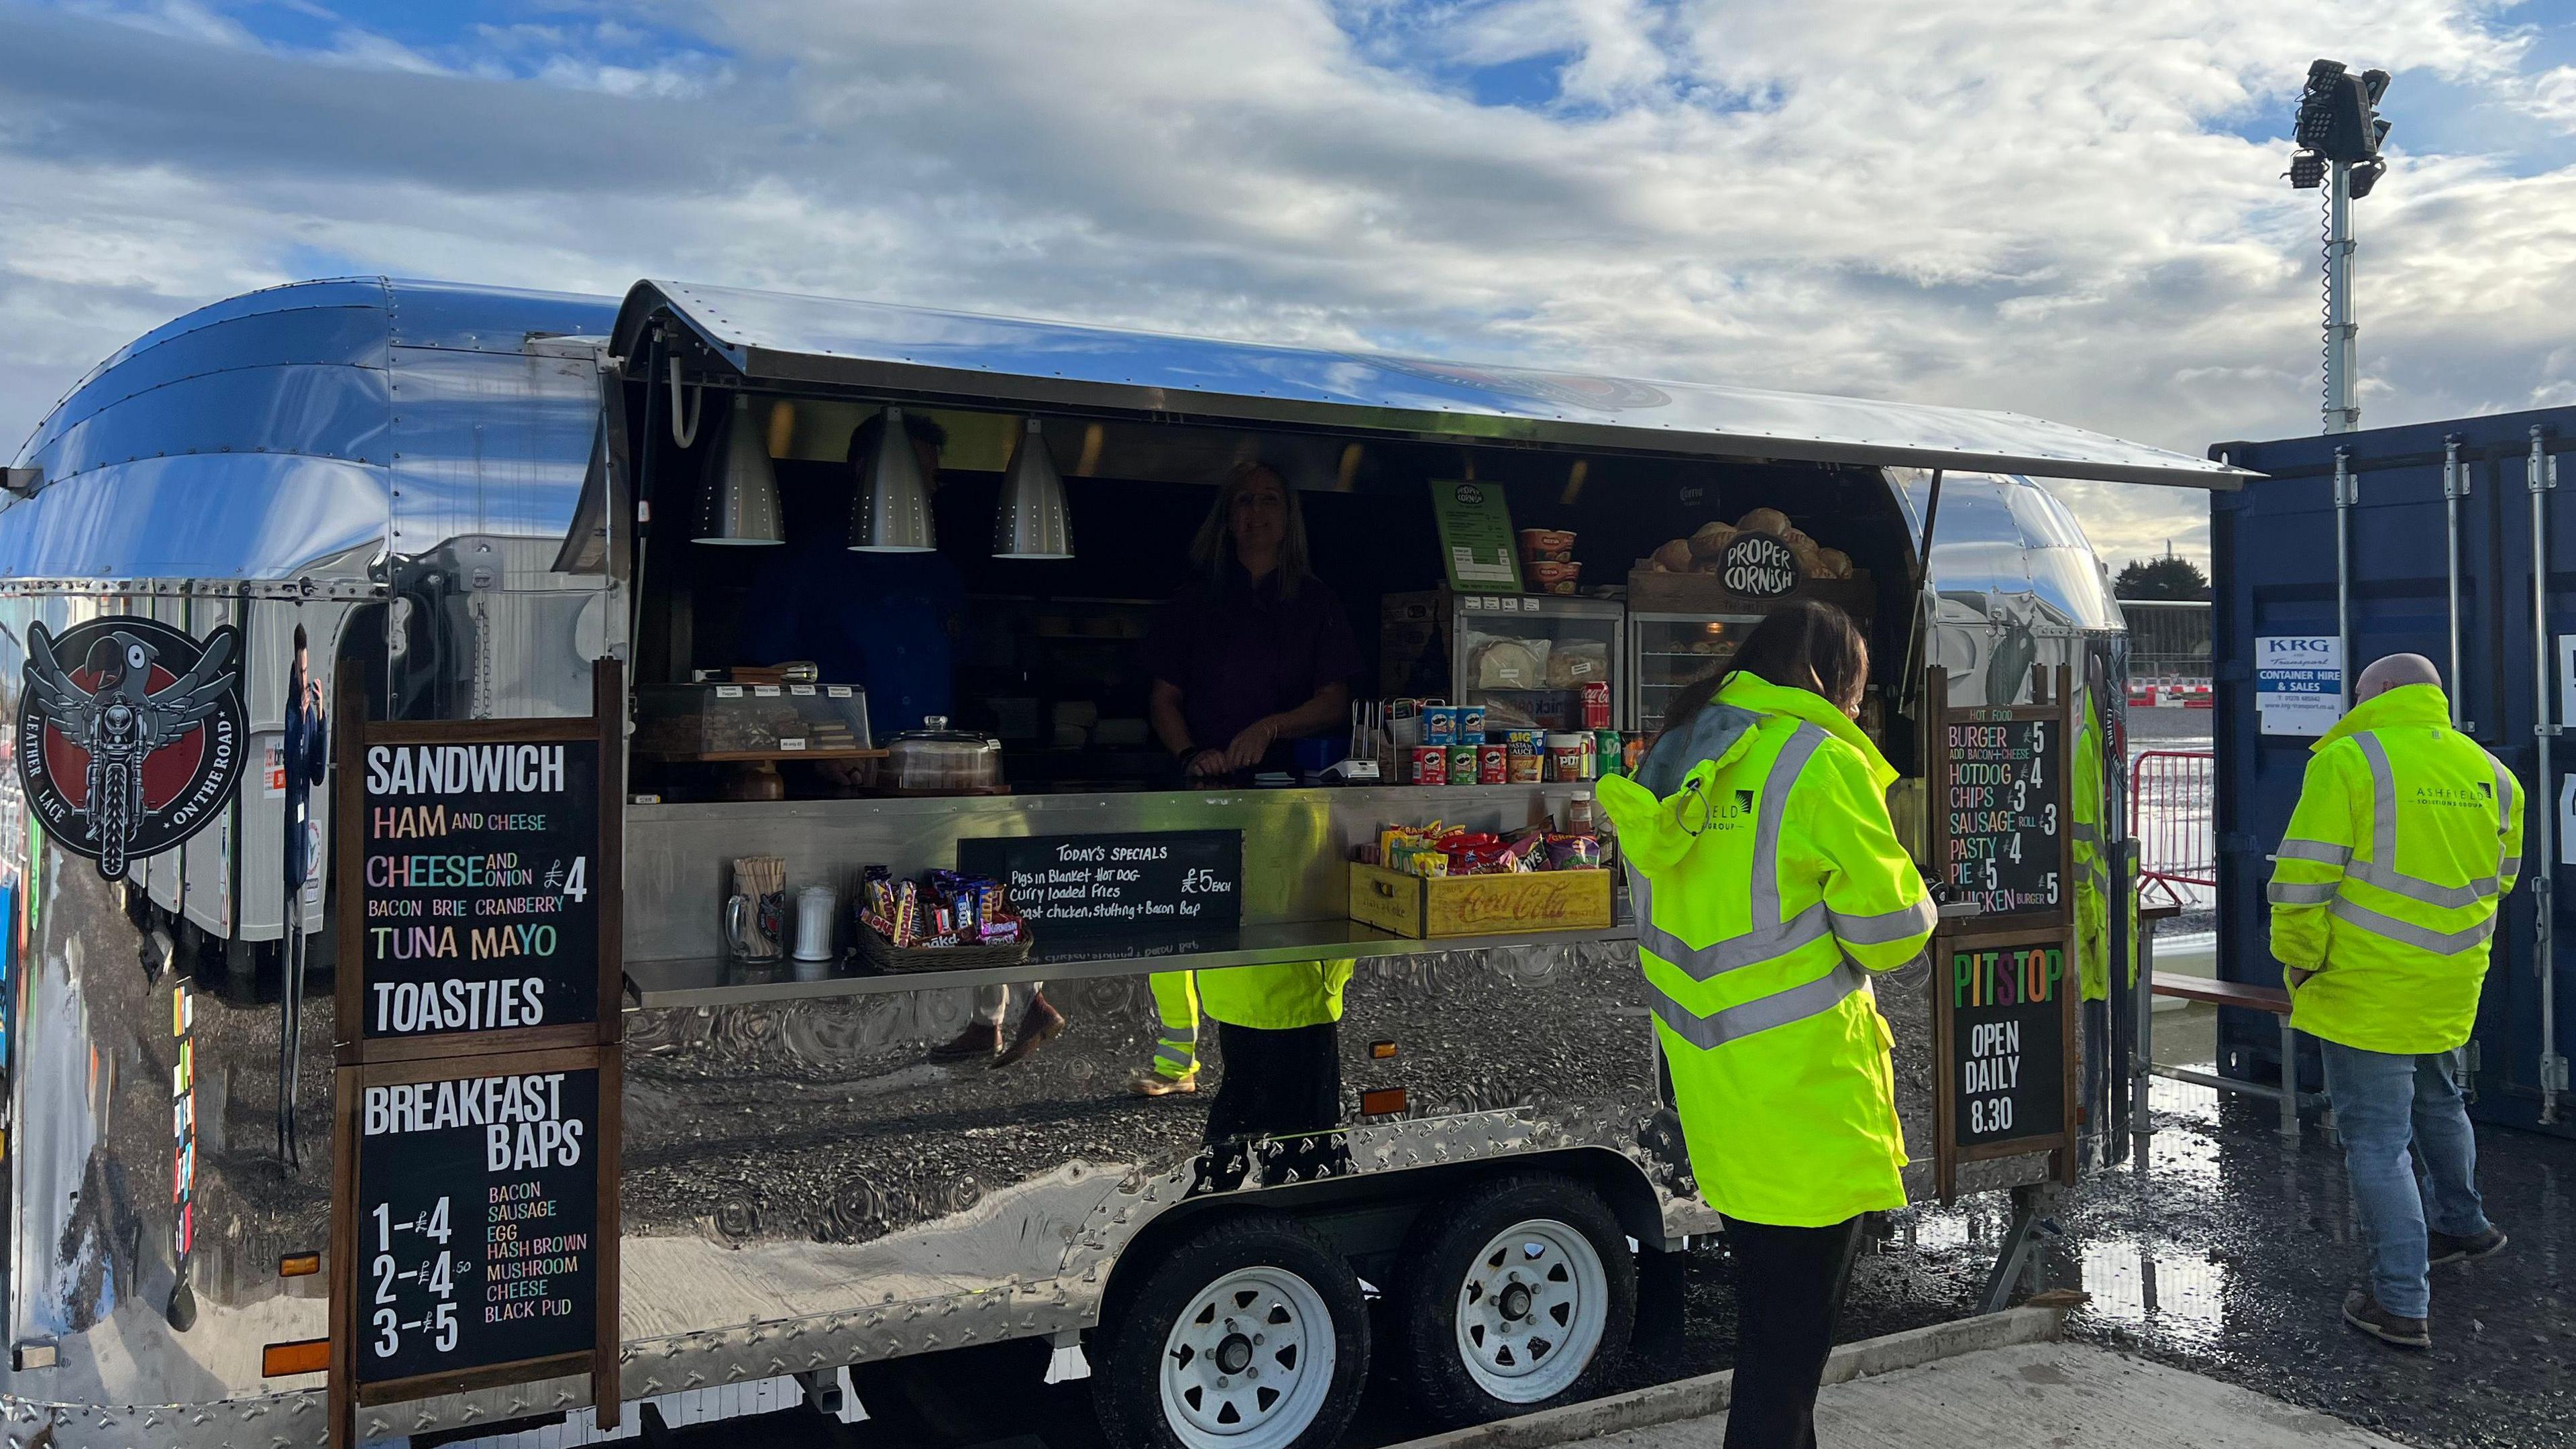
(1607, 751)
(1596, 704)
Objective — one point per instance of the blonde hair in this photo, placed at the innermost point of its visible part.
(1213, 548)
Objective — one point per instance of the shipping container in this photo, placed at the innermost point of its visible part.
(2425, 539)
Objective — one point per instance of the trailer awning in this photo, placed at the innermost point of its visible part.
(786, 341)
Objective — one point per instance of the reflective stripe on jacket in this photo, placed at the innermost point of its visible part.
(1278, 996)
(2405, 839)
(1768, 886)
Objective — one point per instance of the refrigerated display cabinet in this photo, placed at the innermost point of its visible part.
(1524, 657)
(1667, 651)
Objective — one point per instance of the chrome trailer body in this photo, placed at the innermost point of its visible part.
(431, 481)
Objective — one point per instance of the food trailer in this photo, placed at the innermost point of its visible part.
(436, 993)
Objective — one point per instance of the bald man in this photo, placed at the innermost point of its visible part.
(2384, 894)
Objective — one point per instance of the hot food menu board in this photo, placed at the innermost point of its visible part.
(1076, 886)
(2000, 794)
(477, 1233)
(479, 886)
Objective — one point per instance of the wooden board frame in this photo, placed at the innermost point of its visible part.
(1948, 1152)
(2054, 698)
(605, 725)
(450, 1056)
(599, 1361)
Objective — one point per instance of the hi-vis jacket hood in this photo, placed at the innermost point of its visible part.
(1652, 812)
(2406, 837)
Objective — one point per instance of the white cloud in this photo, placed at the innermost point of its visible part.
(2039, 206)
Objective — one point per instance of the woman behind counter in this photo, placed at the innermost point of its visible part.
(1251, 654)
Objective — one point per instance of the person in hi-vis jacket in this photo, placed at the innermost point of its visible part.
(1769, 887)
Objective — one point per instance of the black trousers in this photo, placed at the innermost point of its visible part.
(1788, 1293)
(1276, 1082)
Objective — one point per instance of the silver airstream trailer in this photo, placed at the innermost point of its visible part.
(461, 497)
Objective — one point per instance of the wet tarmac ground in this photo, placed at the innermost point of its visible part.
(2228, 1255)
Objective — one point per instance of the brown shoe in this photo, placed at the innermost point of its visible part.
(2362, 1311)
(979, 1039)
(1040, 1024)
(1147, 1082)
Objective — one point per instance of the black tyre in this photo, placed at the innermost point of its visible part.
(1249, 1335)
(1518, 1294)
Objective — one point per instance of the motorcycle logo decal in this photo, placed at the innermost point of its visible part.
(130, 735)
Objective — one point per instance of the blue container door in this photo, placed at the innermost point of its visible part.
(2510, 1046)
(2274, 546)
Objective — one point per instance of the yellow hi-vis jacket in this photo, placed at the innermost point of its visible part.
(2087, 799)
(1768, 884)
(2406, 837)
(1279, 996)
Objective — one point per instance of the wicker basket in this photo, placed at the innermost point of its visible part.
(878, 954)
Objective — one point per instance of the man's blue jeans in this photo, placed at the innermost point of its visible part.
(2383, 1103)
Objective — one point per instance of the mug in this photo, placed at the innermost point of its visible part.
(753, 925)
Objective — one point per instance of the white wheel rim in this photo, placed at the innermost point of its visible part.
(1531, 1311)
(1249, 1363)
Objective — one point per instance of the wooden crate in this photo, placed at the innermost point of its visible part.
(1434, 907)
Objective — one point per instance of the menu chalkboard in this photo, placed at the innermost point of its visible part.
(478, 885)
(2000, 789)
(478, 1230)
(2007, 1059)
(1089, 885)
(476, 1120)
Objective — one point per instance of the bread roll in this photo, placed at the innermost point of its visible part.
(1765, 520)
(1674, 557)
(1711, 540)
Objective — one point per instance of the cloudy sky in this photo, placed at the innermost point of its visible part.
(2072, 208)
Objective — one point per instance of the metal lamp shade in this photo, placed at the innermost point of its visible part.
(890, 513)
(1031, 521)
(740, 504)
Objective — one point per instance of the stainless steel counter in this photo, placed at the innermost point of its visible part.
(709, 982)
(679, 857)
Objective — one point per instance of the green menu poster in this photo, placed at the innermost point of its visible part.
(1476, 537)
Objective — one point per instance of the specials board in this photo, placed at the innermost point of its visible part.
(2003, 1028)
(480, 1244)
(1079, 886)
(2002, 834)
(479, 865)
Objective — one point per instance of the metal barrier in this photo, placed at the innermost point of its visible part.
(2172, 800)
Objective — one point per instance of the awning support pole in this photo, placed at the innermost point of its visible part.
(1922, 575)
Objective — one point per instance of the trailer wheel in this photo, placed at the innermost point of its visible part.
(1517, 1294)
(1251, 1335)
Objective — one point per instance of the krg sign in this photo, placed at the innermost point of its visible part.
(129, 735)
(1758, 566)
